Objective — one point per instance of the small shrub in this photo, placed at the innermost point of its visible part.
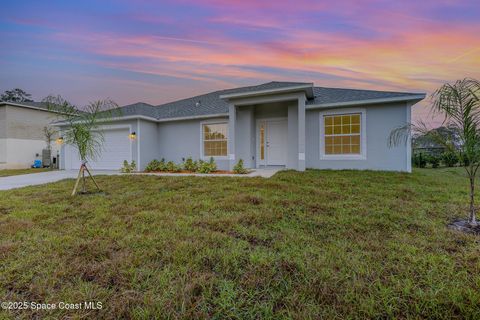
(207, 167)
(239, 168)
(163, 165)
(434, 160)
(172, 167)
(450, 159)
(190, 165)
(153, 165)
(156, 165)
(128, 168)
(212, 164)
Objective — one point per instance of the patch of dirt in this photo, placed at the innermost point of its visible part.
(251, 199)
(252, 240)
(4, 210)
(464, 226)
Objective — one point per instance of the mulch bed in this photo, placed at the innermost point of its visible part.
(186, 171)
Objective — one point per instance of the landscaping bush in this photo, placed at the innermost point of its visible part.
(172, 167)
(153, 165)
(128, 168)
(419, 160)
(450, 159)
(239, 168)
(434, 160)
(190, 165)
(156, 165)
(207, 167)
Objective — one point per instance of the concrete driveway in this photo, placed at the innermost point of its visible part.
(32, 179)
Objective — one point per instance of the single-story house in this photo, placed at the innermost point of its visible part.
(21, 133)
(277, 124)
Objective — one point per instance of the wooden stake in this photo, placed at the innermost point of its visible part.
(78, 180)
(84, 188)
(91, 176)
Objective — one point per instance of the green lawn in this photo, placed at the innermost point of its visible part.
(331, 244)
(15, 172)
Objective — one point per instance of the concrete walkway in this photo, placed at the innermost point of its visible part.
(33, 179)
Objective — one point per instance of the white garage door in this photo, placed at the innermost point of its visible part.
(116, 149)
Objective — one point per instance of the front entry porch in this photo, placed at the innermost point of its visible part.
(267, 131)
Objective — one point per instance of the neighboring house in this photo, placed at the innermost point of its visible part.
(21, 133)
(276, 124)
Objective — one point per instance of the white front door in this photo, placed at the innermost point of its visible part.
(272, 142)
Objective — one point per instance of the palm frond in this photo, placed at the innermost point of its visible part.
(83, 129)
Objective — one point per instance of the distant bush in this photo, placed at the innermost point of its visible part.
(434, 160)
(207, 167)
(464, 160)
(239, 168)
(450, 159)
(190, 165)
(419, 160)
(128, 167)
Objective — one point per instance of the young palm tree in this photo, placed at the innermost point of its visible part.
(82, 130)
(459, 104)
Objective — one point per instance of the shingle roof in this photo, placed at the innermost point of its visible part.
(337, 95)
(139, 108)
(212, 104)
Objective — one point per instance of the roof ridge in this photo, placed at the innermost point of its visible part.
(139, 102)
(223, 91)
(368, 90)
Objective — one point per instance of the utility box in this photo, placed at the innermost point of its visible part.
(46, 158)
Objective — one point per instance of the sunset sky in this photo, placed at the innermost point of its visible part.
(158, 51)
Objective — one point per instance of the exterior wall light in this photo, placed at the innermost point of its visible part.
(59, 141)
(132, 136)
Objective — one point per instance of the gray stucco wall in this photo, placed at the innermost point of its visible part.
(24, 123)
(148, 140)
(181, 139)
(3, 135)
(21, 135)
(380, 121)
(292, 147)
(3, 122)
(271, 110)
(245, 136)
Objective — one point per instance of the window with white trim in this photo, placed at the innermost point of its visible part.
(342, 134)
(215, 139)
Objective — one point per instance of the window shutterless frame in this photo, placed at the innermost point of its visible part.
(363, 134)
(202, 139)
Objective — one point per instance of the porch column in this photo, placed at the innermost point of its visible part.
(301, 133)
(232, 119)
